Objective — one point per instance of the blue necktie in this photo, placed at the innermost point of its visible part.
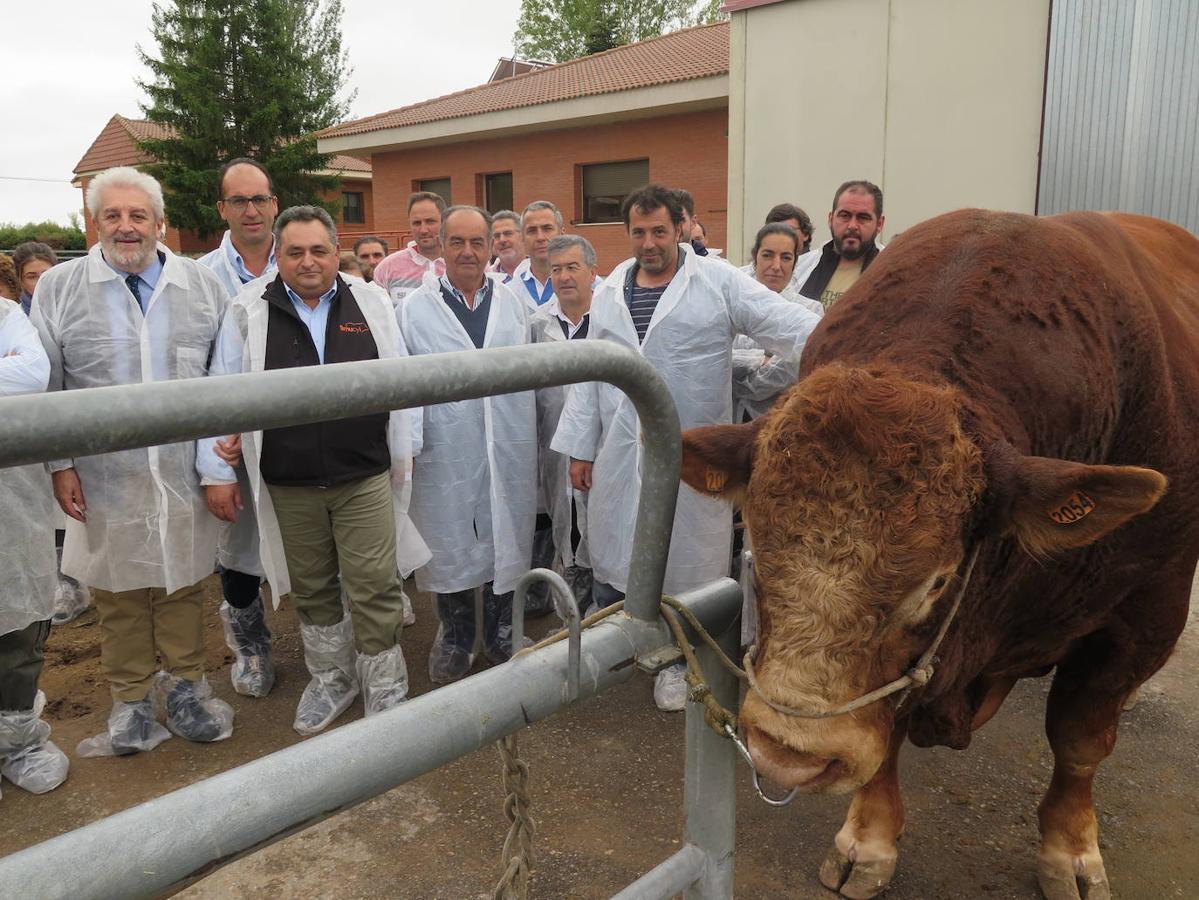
(131, 282)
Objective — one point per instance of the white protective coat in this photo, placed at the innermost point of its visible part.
(27, 560)
(758, 379)
(147, 522)
(553, 468)
(474, 492)
(241, 347)
(689, 341)
(237, 548)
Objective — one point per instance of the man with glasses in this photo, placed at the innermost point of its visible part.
(247, 204)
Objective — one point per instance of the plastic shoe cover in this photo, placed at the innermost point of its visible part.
(246, 634)
(131, 728)
(70, 600)
(192, 711)
(329, 654)
(27, 758)
(497, 626)
(409, 612)
(447, 661)
(384, 679)
(670, 688)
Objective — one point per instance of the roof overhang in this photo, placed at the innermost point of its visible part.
(619, 106)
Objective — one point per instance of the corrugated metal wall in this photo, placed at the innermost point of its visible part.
(1122, 109)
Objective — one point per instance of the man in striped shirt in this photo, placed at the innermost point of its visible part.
(402, 272)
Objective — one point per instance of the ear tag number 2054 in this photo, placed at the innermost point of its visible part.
(1077, 507)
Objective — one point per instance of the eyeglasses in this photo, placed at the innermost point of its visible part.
(240, 203)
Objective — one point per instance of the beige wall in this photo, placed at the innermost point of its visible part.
(937, 101)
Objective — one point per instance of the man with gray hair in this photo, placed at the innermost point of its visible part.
(474, 494)
(328, 495)
(507, 247)
(132, 312)
(539, 223)
(564, 317)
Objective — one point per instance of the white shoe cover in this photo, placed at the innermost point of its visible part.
(329, 655)
(27, 758)
(384, 679)
(132, 728)
(670, 688)
(247, 636)
(409, 612)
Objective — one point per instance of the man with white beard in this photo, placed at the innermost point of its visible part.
(139, 532)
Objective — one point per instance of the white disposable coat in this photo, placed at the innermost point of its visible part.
(237, 547)
(220, 261)
(147, 521)
(757, 378)
(241, 347)
(689, 341)
(553, 468)
(27, 564)
(474, 491)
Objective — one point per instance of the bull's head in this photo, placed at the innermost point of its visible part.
(862, 495)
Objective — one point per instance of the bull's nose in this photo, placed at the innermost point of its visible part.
(790, 768)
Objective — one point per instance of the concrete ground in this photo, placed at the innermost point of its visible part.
(606, 782)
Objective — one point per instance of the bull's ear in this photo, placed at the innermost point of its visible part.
(1051, 505)
(717, 459)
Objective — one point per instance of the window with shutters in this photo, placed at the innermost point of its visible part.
(605, 185)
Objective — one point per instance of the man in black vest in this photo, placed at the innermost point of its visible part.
(329, 483)
(856, 221)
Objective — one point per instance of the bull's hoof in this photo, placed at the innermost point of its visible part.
(857, 880)
(1130, 701)
(1084, 880)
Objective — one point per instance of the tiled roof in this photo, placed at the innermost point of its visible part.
(685, 55)
(116, 145)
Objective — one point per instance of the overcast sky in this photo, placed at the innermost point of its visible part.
(71, 66)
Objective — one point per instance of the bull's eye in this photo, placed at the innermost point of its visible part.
(938, 584)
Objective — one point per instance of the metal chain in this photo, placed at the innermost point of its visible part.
(518, 845)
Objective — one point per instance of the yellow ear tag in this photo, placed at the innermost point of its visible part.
(1079, 506)
(714, 480)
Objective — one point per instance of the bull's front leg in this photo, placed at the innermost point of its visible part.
(866, 849)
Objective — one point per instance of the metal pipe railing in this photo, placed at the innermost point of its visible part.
(78, 423)
(177, 838)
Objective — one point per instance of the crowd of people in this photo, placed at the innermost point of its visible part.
(468, 495)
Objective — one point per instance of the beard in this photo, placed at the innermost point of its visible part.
(125, 257)
(852, 253)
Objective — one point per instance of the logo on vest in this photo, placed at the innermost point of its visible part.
(354, 328)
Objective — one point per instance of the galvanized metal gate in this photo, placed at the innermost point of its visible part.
(184, 835)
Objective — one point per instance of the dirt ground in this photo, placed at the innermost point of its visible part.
(606, 780)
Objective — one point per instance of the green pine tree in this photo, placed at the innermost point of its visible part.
(561, 30)
(243, 79)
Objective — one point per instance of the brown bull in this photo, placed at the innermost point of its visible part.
(1027, 387)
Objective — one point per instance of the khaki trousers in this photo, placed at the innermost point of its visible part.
(344, 536)
(137, 627)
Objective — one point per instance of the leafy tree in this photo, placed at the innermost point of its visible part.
(243, 79)
(560, 30)
(60, 237)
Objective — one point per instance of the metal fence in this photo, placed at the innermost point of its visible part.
(182, 836)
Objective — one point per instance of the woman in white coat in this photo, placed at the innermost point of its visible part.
(27, 570)
(758, 378)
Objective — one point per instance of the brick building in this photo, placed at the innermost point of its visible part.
(581, 134)
(116, 145)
